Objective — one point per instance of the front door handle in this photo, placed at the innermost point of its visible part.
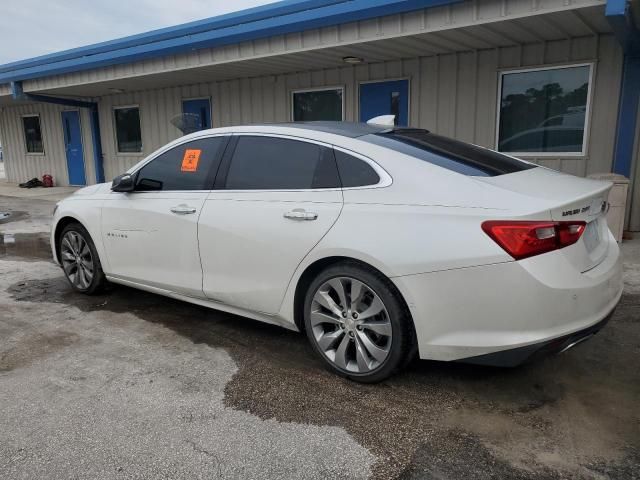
(300, 214)
(183, 210)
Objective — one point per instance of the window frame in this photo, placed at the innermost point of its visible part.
(135, 170)
(317, 89)
(115, 131)
(24, 135)
(587, 117)
(385, 178)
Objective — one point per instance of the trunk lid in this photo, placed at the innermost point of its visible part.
(563, 197)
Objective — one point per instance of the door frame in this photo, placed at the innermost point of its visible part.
(393, 79)
(84, 163)
(208, 99)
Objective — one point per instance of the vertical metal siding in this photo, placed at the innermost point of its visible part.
(21, 166)
(453, 94)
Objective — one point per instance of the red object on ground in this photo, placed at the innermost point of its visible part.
(47, 180)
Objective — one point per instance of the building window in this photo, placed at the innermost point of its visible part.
(312, 105)
(544, 111)
(33, 134)
(128, 133)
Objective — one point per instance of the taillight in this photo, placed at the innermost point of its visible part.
(522, 239)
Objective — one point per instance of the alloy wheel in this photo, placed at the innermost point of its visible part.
(77, 260)
(351, 325)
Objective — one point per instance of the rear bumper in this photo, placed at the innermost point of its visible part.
(523, 307)
(529, 353)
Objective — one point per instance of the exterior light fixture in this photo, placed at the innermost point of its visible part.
(116, 90)
(353, 60)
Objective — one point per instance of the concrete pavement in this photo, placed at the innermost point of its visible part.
(132, 385)
(52, 194)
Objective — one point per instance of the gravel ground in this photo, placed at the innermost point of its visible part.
(133, 385)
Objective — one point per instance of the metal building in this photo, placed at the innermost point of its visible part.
(553, 81)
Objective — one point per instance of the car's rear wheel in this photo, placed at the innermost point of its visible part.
(80, 261)
(357, 323)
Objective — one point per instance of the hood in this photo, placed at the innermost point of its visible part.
(94, 189)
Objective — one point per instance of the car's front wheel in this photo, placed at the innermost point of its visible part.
(357, 322)
(80, 261)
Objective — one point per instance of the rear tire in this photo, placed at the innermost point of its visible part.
(358, 324)
(79, 260)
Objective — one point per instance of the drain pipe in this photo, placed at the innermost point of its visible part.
(18, 94)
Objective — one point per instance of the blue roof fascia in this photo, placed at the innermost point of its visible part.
(278, 19)
(250, 15)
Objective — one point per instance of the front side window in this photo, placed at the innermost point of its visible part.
(33, 134)
(128, 132)
(190, 166)
(316, 105)
(270, 163)
(544, 111)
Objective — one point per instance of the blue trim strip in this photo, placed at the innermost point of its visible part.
(18, 94)
(621, 21)
(619, 17)
(278, 19)
(627, 116)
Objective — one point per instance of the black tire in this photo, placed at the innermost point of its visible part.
(98, 281)
(403, 345)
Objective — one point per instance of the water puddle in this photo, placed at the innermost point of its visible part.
(25, 246)
(11, 216)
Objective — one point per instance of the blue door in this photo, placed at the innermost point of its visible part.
(200, 107)
(73, 147)
(385, 98)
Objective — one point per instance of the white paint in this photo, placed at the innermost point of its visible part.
(423, 231)
(383, 120)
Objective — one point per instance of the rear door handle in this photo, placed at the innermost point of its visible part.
(183, 210)
(300, 214)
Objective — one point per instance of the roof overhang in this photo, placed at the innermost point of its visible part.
(465, 26)
(280, 18)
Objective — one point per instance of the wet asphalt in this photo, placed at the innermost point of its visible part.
(129, 384)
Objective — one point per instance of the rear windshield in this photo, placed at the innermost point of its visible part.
(448, 153)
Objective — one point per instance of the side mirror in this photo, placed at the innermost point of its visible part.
(123, 183)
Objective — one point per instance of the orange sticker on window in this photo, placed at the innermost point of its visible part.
(190, 160)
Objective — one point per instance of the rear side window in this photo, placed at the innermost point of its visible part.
(270, 163)
(190, 166)
(355, 172)
(448, 153)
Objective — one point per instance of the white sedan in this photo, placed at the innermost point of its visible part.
(380, 243)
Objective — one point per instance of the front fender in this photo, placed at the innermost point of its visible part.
(85, 211)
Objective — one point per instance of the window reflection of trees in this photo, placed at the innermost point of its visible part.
(524, 111)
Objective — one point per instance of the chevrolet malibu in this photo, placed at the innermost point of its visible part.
(380, 243)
